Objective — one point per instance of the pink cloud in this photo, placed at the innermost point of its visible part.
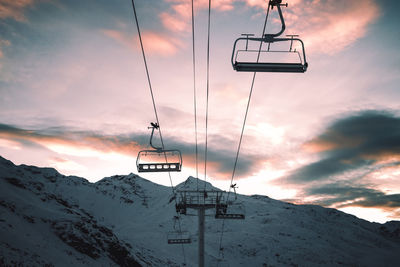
(332, 25)
(259, 3)
(154, 43)
(178, 18)
(183, 9)
(327, 26)
(174, 23)
(14, 9)
(220, 5)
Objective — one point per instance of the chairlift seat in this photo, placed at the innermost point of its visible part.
(159, 167)
(230, 211)
(273, 64)
(178, 237)
(229, 216)
(270, 67)
(179, 241)
(159, 161)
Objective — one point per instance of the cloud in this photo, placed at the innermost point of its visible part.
(14, 9)
(173, 22)
(327, 26)
(332, 25)
(70, 142)
(341, 195)
(154, 43)
(66, 165)
(356, 154)
(90, 144)
(178, 17)
(3, 43)
(220, 5)
(365, 139)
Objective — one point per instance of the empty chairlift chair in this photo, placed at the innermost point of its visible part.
(179, 237)
(270, 53)
(158, 159)
(229, 209)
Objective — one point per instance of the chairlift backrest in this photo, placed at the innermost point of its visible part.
(255, 59)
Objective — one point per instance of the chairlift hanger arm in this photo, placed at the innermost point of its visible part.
(278, 4)
(153, 126)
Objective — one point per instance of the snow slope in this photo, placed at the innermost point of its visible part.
(47, 219)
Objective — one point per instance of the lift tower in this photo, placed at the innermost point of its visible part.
(201, 201)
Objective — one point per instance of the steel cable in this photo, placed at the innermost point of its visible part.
(194, 95)
(208, 89)
(241, 134)
(156, 114)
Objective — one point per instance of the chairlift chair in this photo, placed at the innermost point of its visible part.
(258, 54)
(158, 159)
(179, 237)
(229, 209)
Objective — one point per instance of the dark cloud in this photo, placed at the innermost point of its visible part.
(347, 195)
(220, 162)
(354, 142)
(350, 149)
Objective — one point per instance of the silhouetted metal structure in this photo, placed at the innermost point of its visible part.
(258, 54)
(230, 210)
(179, 237)
(201, 201)
(158, 159)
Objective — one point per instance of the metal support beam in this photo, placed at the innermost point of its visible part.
(202, 201)
(201, 213)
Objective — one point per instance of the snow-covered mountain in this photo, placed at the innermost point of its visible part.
(48, 219)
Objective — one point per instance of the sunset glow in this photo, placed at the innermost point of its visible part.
(74, 96)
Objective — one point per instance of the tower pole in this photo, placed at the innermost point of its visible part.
(201, 216)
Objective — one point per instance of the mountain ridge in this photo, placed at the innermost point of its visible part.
(47, 218)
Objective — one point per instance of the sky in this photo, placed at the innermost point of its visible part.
(74, 96)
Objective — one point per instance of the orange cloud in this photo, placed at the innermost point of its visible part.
(330, 141)
(109, 147)
(318, 146)
(74, 144)
(385, 157)
(159, 44)
(154, 43)
(14, 9)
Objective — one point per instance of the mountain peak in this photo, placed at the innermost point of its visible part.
(192, 183)
(5, 161)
